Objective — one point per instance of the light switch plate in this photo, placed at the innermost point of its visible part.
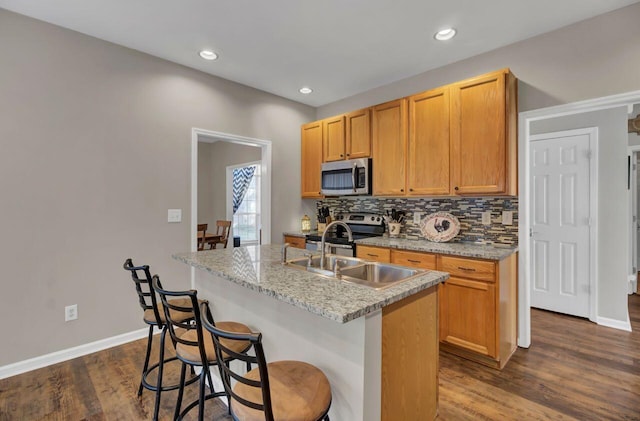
(507, 218)
(486, 218)
(174, 215)
(417, 216)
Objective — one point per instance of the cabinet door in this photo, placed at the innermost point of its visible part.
(390, 148)
(333, 139)
(297, 242)
(429, 155)
(311, 160)
(358, 134)
(377, 254)
(478, 141)
(414, 259)
(468, 315)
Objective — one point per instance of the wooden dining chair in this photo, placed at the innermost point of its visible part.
(279, 390)
(202, 235)
(222, 234)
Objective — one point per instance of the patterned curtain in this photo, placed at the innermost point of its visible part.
(241, 180)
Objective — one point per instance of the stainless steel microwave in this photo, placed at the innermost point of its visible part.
(349, 177)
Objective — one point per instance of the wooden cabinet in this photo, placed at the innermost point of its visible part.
(333, 146)
(428, 157)
(483, 134)
(311, 159)
(478, 309)
(413, 259)
(377, 254)
(297, 242)
(358, 134)
(389, 132)
(347, 136)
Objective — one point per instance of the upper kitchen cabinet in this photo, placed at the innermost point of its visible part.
(428, 159)
(358, 134)
(483, 135)
(311, 159)
(333, 146)
(347, 136)
(389, 148)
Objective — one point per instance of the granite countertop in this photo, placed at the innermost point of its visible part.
(480, 251)
(300, 233)
(258, 268)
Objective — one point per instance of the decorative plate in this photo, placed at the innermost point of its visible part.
(440, 227)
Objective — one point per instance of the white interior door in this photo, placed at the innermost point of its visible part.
(560, 219)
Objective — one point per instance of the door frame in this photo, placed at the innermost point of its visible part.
(592, 132)
(633, 152)
(525, 119)
(265, 180)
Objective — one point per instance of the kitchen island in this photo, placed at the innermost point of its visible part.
(379, 348)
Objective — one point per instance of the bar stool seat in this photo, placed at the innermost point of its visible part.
(192, 352)
(299, 392)
(150, 315)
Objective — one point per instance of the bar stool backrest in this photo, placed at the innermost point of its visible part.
(221, 340)
(178, 326)
(146, 294)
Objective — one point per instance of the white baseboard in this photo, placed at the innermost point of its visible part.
(70, 353)
(616, 324)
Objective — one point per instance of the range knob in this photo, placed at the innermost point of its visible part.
(373, 218)
(378, 219)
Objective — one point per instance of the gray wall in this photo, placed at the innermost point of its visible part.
(613, 209)
(590, 59)
(213, 159)
(95, 144)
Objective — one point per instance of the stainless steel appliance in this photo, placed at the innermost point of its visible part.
(363, 225)
(350, 177)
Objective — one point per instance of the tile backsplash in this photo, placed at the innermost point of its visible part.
(467, 209)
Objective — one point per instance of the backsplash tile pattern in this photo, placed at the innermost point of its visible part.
(467, 209)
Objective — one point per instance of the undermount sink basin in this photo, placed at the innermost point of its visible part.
(371, 274)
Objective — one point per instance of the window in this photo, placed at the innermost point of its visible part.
(246, 219)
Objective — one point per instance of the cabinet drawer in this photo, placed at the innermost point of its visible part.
(467, 268)
(414, 259)
(298, 242)
(376, 254)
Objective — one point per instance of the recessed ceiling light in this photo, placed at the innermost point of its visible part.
(306, 90)
(445, 34)
(208, 55)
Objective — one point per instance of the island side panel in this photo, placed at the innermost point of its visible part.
(291, 333)
(410, 358)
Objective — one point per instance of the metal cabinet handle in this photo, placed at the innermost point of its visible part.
(414, 261)
(372, 255)
(467, 269)
(456, 188)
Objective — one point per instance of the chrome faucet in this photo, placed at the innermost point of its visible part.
(283, 251)
(322, 249)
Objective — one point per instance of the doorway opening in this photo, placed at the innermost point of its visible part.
(201, 137)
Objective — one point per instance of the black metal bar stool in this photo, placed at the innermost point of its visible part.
(280, 390)
(193, 347)
(154, 316)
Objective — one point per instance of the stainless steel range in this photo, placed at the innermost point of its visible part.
(363, 225)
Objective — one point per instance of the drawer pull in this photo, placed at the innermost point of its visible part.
(372, 255)
(413, 261)
(467, 269)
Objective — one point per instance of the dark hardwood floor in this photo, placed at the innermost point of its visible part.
(574, 370)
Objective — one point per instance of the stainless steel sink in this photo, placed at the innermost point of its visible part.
(371, 274)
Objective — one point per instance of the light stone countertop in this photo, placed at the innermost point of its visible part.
(479, 251)
(258, 268)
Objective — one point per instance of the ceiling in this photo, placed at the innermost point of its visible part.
(337, 47)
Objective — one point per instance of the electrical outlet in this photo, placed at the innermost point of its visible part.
(507, 218)
(417, 216)
(486, 218)
(174, 215)
(71, 312)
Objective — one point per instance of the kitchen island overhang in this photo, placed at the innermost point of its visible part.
(348, 331)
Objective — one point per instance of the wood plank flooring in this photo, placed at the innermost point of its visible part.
(574, 370)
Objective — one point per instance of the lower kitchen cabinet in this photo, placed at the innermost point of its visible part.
(478, 306)
(376, 254)
(413, 259)
(297, 242)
